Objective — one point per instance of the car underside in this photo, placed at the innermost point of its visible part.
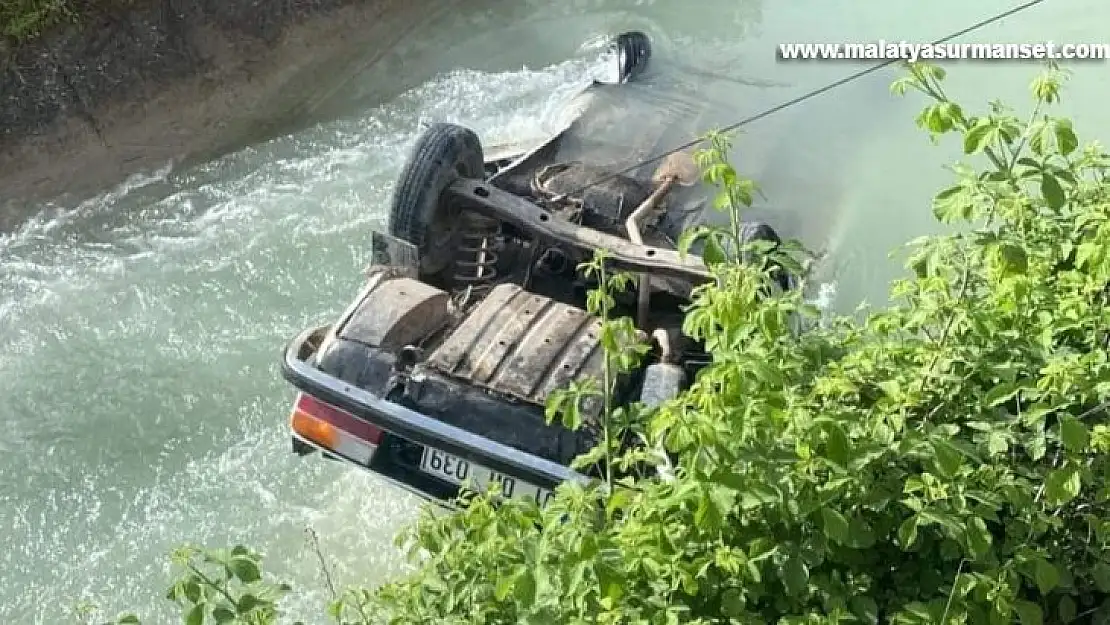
(474, 312)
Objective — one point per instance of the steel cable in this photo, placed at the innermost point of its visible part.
(805, 96)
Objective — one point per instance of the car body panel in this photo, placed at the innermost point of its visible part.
(522, 345)
(410, 425)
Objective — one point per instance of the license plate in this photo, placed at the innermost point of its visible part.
(460, 471)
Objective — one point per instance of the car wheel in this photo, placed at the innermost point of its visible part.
(752, 231)
(418, 213)
(363, 366)
(634, 52)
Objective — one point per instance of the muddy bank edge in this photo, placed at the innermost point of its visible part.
(89, 103)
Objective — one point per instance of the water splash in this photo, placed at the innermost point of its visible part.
(141, 330)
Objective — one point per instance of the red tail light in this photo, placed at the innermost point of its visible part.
(308, 410)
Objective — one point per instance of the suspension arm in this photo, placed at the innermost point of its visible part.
(485, 199)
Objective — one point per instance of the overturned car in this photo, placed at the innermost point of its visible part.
(473, 313)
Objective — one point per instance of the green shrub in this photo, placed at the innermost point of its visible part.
(25, 19)
(939, 460)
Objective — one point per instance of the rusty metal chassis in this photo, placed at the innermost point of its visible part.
(483, 198)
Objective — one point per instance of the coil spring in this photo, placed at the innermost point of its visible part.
(477, 260)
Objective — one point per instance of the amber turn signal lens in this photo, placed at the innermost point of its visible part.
(313, 429)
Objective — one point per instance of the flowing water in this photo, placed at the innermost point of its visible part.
(141, 329)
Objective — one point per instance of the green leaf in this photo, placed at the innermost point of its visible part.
(952, 204)
(753, 571)
(688, 237)
(1012, 259)
(795, 576)
(1087, 254)
(837, 446)
(915, 613)
(1100, 575)
(1001, 394)
(978, 537)
(1074, 434)
(901, 85)
(191, 589)
(1066, 609)
(948, 458)
(524, 586)
(1066, 140)
(611, 585)
(1029, 613)
(195, 615)
(770, 323)
(1039, 135)
(1062, 485)
(713, 253)
(979, 137)
(1046, 575)
(860, 535)
(248, 602)
(723, 499)
(836, 526)
(245, 569)
(503, 588)
(1036, 446)
(938, 118)
(732, 603)
(891, 388)
(1033, 164)
(1052, 191)
(907, 532)
(997, 444)
(865, 609)
(756, 495)
(1046, 87)
(223, 615)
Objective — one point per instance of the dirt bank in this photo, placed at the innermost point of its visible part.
(89, 103)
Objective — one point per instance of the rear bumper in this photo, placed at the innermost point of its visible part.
(415, 427)
(304, 447)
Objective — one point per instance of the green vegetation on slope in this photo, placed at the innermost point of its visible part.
(22, 20)
(943, 459)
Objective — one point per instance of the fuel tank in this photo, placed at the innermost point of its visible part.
(523, 346)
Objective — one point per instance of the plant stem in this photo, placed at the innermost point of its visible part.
(323, 564)
(1024, 139)
(965, 279)
(934, 90)
(607, 375)
(204, 578)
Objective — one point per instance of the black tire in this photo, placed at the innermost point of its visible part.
(752, 231)
(366, 367)
(634, 50)
(418, 214)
